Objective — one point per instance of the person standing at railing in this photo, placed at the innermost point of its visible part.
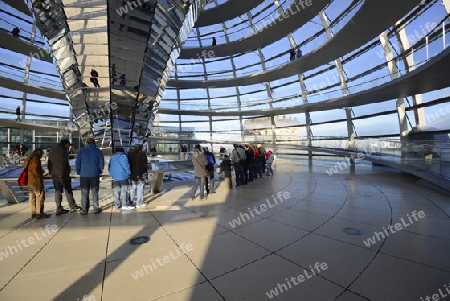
(239, 162)
(292, 54)
(269, 161)
(59, 169)
(256, 167)
(299, 53)
(261, 159)
(138, 165)
(89, 165)
(210, 167)
(18, 114)
(225, 167)
(184, 154)
(249, 155)
(119, 169)
(200, 171)
(36, 184)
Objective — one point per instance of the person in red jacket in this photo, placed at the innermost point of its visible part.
(269, 161)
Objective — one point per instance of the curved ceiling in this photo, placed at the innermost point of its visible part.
(429, 77)
(227, 11)
(269, 34)
(371, 19)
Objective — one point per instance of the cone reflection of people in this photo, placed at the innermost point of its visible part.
(113, 74)
(123, 80)
(36, 184)
(291, 54)
(16, 32)
(299, 52)
(94, 78)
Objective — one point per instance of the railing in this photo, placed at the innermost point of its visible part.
(428, 156)
(432, 157)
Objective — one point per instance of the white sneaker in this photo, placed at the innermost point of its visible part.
(127, 208)
(140, 207)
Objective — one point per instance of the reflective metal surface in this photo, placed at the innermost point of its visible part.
(115, 58)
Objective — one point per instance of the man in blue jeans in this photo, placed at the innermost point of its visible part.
(89, 165)
(138, 165)
(119, 169)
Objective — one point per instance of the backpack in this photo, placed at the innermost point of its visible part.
(249, 155)
(262, 153)
(210, 159)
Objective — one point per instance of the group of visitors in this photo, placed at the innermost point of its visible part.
(204, 165)
(20, 150)
(89, 165)
(247, 162)
(59, 169)
(295, 53)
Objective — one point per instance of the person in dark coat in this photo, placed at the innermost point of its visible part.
(225, 167)
(138, 165)
(89, 165)
(238, 160)
(23, 149)
(59, 169)
(18, 113)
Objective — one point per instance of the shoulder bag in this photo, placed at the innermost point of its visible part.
(23, 178)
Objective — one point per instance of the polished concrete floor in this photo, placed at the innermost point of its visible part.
(278, 237)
